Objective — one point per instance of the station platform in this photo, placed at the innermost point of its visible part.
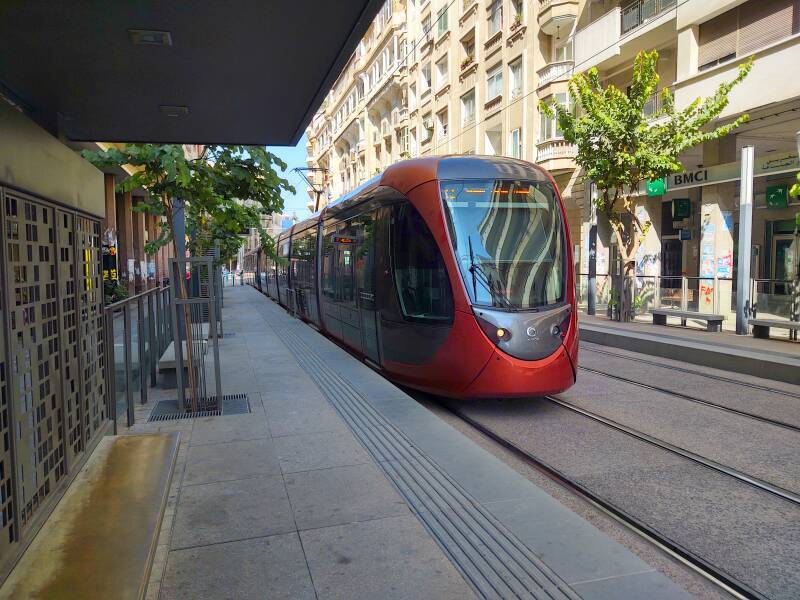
(337, 484)
(777, 359)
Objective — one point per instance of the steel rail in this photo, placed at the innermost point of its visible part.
(716, 405)
(706, 462)
(675, 550)
(694, 372)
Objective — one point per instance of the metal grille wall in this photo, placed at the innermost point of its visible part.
(91, 325)
(52, 396)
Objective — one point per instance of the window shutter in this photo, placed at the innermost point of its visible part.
(763, 23)
(717, 38)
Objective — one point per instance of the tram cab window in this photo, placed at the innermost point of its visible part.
(420, 277)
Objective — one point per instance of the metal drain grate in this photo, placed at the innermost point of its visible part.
(170, 410)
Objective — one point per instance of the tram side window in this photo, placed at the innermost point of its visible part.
(420, 277)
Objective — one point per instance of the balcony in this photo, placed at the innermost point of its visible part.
(615, 38)
(556, 155)
(640, 12)
(554, 73)
(557, 15)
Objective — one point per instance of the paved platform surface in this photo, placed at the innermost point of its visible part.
(339, 485)
(99, 540)
(777, 359)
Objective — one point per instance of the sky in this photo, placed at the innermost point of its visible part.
(294, 157)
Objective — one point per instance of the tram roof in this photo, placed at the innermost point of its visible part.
(408, 174)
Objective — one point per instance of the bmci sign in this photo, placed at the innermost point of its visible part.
(689, 178)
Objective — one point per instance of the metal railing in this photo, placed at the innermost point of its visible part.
(777, 299)
(696, 294)
(195, 321)
(640, 12)
(138, 330)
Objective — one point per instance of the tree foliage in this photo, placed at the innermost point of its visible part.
(225, 190)
(620, 148)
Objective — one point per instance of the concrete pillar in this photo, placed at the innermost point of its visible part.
(110, 220)
(125, 239)
(745, 241)
(138, 248)
(150, 235)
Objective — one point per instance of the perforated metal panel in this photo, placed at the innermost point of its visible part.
(52, 385)
(35, 351)
(92, 343)
(70, 372)
(7, 536)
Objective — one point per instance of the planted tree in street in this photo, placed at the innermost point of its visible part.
(621, 146)
(224, 192)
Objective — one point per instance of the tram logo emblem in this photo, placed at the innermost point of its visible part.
(532, 332)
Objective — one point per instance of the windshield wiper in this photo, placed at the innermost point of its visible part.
(485, 281)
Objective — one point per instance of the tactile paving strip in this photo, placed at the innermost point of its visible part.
(492, 560)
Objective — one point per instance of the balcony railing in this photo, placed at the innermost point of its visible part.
(642, 11)
(554, 149)
(555, 71)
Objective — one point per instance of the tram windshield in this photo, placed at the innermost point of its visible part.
(508, 238)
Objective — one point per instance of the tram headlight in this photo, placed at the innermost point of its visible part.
(493, 332)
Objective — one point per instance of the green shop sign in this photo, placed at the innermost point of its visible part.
(656, 187)
(777, 196)
(681, 209)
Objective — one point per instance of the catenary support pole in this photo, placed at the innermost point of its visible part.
(591, 296)
(745, 241)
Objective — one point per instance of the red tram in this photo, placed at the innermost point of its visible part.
(452, 275)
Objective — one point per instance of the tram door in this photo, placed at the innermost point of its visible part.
(346, 247)
(366, 225)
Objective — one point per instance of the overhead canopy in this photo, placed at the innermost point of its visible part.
(240, 71)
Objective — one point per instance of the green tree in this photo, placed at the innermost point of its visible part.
(225, 190)
(620, 148)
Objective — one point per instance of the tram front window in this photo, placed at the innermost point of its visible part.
(508, 238)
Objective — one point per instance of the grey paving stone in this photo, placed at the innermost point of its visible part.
(306, 414)
(270, 567)
(230, 461)
(651, 585)
(342, 495)
(387, 558)
(573, 548)
(215, 430)
(231, 510)
(319, 451)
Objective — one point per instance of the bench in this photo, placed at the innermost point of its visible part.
(713, 322)
(761, 326)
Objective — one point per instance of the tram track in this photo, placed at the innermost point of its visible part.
(716, 575)
(670, 367)
(674, 544)
(683, 396)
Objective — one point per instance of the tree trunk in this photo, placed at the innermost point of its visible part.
(627, 291)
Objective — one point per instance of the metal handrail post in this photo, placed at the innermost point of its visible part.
(657, 292)
(153, 354)
(213, 331)
(177, 339)
(716, 294)
(111, 369)
(684, 292)
(142, 351)
(126, 320)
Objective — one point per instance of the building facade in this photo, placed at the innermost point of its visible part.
(467, 76)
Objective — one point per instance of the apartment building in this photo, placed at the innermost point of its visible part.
(466, 76)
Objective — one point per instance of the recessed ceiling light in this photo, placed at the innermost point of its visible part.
(149, 37)
(174, 111)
